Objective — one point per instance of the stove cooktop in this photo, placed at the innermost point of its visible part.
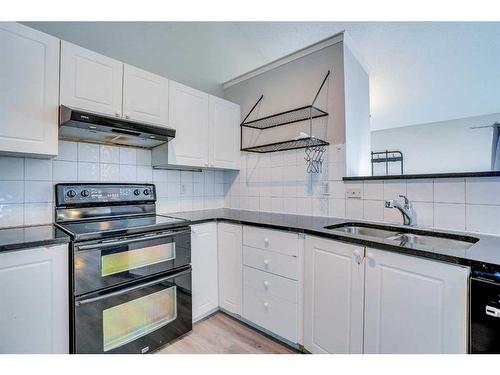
(97, 229)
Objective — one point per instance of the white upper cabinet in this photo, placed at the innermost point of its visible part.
(333, 297)
(204, 262)
(90, 81)
(224, 133)
(188, 115)
(29, 92)
(145, 96)
(414, 305)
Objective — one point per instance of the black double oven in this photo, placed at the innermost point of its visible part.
(130, 269)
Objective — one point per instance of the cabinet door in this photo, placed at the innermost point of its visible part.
(333, 297)
(224, 130)
(29, 97)
(90, 81)
(145, 96)
(188, 115)
(230, 267)
(34, 301)
(204, 262)
(414, 305)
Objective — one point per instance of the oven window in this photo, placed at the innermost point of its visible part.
(132, 259)
(127, 322)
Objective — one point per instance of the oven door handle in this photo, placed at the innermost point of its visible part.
(131, 240)
(131, 289)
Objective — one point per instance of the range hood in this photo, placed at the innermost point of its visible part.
(78, 125)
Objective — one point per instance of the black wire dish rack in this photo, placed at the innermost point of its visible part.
(309, 112)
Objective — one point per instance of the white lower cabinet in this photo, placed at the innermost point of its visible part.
(333, 296)
(204, 263)
(382, 303)
(34, 315)
(414, 305)
(229, 239)
(271, 302)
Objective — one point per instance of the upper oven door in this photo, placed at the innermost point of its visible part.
(103, 264)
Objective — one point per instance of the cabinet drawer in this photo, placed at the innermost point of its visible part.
(268, 261)
(268, 283)
(279, 241)
(270, 312)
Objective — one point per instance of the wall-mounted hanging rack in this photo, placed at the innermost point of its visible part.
(387, 157)
(309, 112)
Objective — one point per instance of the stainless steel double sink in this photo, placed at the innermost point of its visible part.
(404, 236)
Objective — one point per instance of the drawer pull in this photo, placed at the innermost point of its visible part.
(266, 284)
(266, 305)
(266, 263)
(266, 242)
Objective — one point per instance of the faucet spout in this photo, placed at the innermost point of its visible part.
(409, 216)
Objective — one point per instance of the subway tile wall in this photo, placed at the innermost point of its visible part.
(27, 184)
(278, 182)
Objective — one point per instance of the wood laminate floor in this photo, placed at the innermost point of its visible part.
(221, 334)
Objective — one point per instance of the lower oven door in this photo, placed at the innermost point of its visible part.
(102, 264)
(135, 319)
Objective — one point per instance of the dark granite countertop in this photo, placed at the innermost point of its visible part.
(485, 252)
(19, 238)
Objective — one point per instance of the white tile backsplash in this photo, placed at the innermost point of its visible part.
(373, 190)
(88, 152)
(38, 213)
(27, 184)
(481, 218)
(38, 169)
(484, 190)
(67, 151)
(38, 192)
(128, 155)
(66, 171)
(11, 192)
(109, 154)
(11, 215)
(420, 190)
(449, 216)
(88, 172)
(449, 190)
(110, 172)
(11, 168)
(272, 183)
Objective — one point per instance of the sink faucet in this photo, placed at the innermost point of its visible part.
(409, 216)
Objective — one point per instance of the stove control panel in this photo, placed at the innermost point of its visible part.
(104, 193)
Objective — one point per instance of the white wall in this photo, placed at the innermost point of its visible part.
(448, 146)
(357, 116)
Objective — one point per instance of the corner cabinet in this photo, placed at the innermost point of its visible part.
(224, 131)
(375, 301)
(145, 96)
(229, 239)
(204, 262)
(414, 305)
(90, 81)
(29, 99)
(333, 297)
(34, 301)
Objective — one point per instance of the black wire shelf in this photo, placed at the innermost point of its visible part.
(285, 118)
(287, 145)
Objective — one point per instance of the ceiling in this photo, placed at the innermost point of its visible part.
(419, 72)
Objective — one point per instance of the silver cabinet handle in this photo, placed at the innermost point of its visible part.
(493, 311)
(131, 240)
(131, 289)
